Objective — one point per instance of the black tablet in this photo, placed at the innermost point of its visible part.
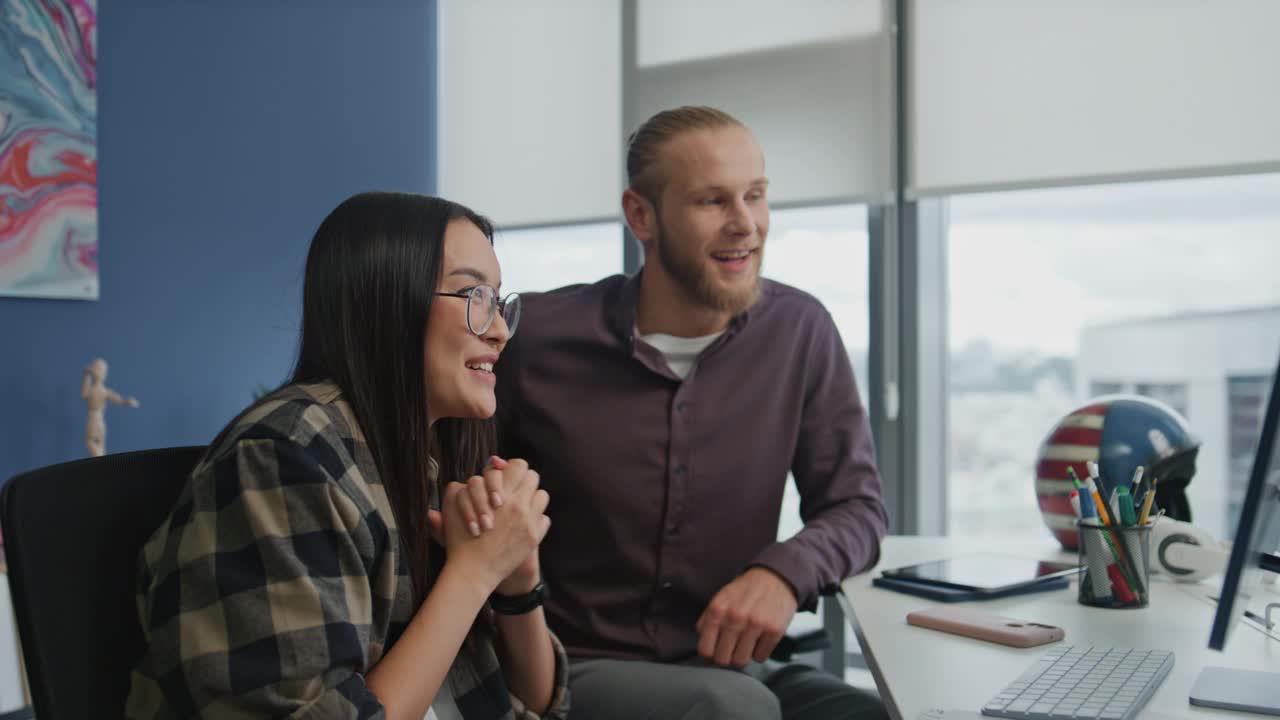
(982, 572)
(946, 594)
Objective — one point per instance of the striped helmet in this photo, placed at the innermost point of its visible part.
(1120, 433)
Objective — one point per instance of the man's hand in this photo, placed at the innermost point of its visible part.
(746, 619)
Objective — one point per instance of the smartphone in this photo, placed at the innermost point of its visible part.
(984, 626)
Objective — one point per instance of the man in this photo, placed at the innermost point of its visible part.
(664, 411)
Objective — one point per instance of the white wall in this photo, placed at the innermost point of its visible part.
(1009, 91)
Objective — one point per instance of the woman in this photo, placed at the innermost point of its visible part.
(300, 573)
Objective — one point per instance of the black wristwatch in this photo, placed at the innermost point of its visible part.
(519, 604)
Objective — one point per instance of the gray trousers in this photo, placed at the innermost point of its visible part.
(634, 690)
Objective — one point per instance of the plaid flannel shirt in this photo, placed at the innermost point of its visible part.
(278, 581)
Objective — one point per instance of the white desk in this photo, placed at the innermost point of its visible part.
(11, 681)
(918, 669)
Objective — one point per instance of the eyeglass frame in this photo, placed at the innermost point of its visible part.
(499, 305)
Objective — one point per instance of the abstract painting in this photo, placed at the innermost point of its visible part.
(48, 149)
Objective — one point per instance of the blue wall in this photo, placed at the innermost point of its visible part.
(227, 130)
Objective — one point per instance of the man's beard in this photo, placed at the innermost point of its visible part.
(698, 279)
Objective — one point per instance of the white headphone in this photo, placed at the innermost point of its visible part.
(1185, 552)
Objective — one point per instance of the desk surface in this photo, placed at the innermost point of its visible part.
(918, 669)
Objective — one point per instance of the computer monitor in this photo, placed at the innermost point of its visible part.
(1253, 554)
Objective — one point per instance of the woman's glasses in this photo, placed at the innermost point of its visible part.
(483, 304)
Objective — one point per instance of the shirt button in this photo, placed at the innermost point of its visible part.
(666, 585)
(680, 406)
(680, 470)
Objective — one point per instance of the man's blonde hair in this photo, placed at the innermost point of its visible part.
(645, 143)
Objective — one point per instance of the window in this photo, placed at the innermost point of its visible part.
(1172, 394)
(1102, 387)
(1165, 289)
(550, 257)
(823, 251)
(1246, 404)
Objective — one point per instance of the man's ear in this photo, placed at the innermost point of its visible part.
(641, 216)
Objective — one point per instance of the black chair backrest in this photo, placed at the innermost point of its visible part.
(72, 534)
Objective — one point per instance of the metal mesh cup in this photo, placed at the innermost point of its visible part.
(1115, 567)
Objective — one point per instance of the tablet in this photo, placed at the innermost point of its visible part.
(941, 593)
(982, 572)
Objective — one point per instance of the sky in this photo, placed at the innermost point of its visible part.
(1036, 285)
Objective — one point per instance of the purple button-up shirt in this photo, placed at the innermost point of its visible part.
(662, 490)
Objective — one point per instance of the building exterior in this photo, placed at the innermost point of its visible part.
(1216, 369)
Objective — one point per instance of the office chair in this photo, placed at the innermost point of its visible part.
(818, 638)
(805, 642)
(72, 534)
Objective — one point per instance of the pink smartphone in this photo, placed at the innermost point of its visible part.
(983, 626)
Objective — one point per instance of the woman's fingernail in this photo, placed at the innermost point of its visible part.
(474, 528)
(487, 521)
(496, 498)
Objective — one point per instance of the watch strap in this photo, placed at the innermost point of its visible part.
(519, 604)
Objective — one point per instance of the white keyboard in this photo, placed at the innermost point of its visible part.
(1080, 682)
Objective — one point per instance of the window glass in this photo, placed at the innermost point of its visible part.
(1246, 405)
(550, 257)
(823, 251)
(1164, 289)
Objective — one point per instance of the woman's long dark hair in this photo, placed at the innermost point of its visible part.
(373, 266)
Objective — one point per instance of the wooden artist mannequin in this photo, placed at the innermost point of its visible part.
(96, 394)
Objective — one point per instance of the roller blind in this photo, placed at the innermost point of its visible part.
(530, 108)
(1013, 92)
(810, 77)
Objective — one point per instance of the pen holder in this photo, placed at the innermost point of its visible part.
(1115, 567)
